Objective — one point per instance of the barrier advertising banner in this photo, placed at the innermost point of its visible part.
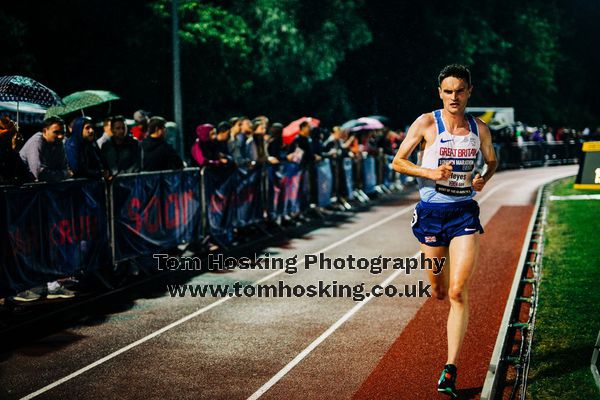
(155, 211)
(51, 231)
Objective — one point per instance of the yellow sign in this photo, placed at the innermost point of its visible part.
(591, 146)
(589, 167)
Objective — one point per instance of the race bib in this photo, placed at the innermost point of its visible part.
(459, 182)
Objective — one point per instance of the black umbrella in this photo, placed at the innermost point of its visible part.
(16, 89)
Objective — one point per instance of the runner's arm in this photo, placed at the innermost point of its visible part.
(414, 136)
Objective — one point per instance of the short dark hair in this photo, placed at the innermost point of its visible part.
(256, 122)
(155, 124)
(118, 118)
(48, 122)
(457, 71)
(303, 124)
(223, 126)
(276, 130)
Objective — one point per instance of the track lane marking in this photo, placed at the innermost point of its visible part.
(287, 368)
(138, 342)
(180, 321)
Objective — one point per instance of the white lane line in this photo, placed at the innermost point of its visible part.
(348, 238)
(576, 197)
(493, 190)
(124, 349)
(264, 388)
(204, 309)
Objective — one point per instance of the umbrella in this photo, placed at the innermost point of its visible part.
(369, 124)
(17, 89)
(24, 107)
(80, 100)
(291, 131)
(383, 119)
(353, 123)
(27, 113)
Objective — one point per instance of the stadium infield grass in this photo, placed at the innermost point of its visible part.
(568, 318)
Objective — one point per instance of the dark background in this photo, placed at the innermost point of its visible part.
(330, 59)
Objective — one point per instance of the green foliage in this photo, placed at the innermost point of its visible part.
(536, 58)
(334, 59)
(286, 46)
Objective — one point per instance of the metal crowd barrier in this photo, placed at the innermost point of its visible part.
(151, 211)
(536, 154)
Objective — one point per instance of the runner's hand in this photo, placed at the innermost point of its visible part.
(478, 183)
(441, 173)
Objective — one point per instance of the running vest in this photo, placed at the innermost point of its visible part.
(462, 151)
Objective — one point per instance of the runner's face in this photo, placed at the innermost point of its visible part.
(455, 93)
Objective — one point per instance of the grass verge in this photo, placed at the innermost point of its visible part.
(568, 318)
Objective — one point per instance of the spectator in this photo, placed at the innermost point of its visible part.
(82, 151)
(549, 135)
(275, 146)
(44, 152)
(140, 129)
(316, 137)
(302, 147)
(223, 130)
(106, 132)
(242, 146)
(13, 171)
(157, 154)
(537, 136)
(335, 146)
(236, 127)
(121, 154)
(259, 128)
(203, 150)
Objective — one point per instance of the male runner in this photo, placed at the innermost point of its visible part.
(446, 220)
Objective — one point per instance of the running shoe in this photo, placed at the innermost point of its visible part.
(447, 382)
(60, 293)
(27, 295)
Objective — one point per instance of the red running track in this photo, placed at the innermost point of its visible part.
(411, 367)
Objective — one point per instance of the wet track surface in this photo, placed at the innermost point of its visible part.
(297, 347)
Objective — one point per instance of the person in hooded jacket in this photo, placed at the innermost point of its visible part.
(121, 153)
(13, 171)
(83, 154)
(157, 154)
(208, 149)
(202, 150)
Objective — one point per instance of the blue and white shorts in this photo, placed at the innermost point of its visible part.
(436, 224)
